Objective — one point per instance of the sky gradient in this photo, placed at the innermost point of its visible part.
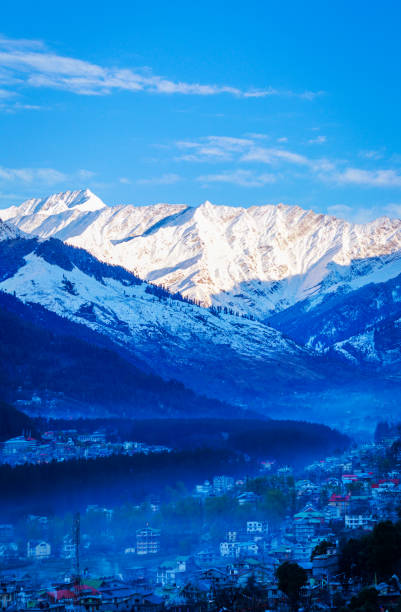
(237, 103)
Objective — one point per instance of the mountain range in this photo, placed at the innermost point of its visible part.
(256, 260)
(268, 308)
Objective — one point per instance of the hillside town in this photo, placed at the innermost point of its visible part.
(67, 445)
(97, 560)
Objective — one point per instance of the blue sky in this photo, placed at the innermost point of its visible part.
(240, 103)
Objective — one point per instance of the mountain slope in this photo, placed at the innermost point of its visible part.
(257, 260)
(48, 368)
(220, 355)
(363, 325)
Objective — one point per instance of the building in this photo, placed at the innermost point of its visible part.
(325, 566)
(6, 533)
(204, 489)
(308, 523)
(245, 549)
(355, 521)
(147, 541)
(257, 527)
(222, 484)
(97, 437)
(38, 549)
(339, 504)
(67, 548)
(227, 549)
(19, 445)
(239, 549)
(248, 498)
(170, 571)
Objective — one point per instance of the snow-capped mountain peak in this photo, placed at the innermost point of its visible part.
(255, 260)
(83, 200)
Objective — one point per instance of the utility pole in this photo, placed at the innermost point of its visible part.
(76, 531)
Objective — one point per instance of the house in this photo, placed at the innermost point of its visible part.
(169, 571)
(245, 549)
(9, 551)
(325, 566)
(107, 513)
(308, 523)
(204, 489)
(97, 437)
(356, 521)
(8, 592)
(227, 549)
(147, 541)
(205, 557)
(38, 549)
(83, 595)
(256, 527)
(340, 504)
(116, 595)
(19, 445)
(248, 498)
(222, 484)
(239, 549)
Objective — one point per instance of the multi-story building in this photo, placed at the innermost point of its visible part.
(355, 521)
(19, 445)
(256, 527)
(147, 541)
(222, 484)
(308, 523)
(340, 503)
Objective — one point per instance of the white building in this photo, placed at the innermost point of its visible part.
(19, 445)
(238, 549)
(38, 549)
(256, 527)
(147, 541)
(167, 572)
(204, 489)
(227, 549)
(354, 521)
(222, 484)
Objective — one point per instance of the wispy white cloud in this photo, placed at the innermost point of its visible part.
(394, 209)
(340, 210)
(318, 140)
(44, 176)
(224, 148)
(164, 179)
(250, 150)
(242, 178)
(372, 154)
(30, 63)
(271, 155)
(370, 178)
(49, 176)
(86, 174)
(124, 180)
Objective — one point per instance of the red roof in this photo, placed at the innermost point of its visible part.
(72, 593)
(86, 588)
(61, 594)
(339, 498)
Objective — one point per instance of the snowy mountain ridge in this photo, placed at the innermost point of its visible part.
(256, 260)
(217, 354)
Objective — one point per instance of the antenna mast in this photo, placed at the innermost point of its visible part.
(76, 539)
